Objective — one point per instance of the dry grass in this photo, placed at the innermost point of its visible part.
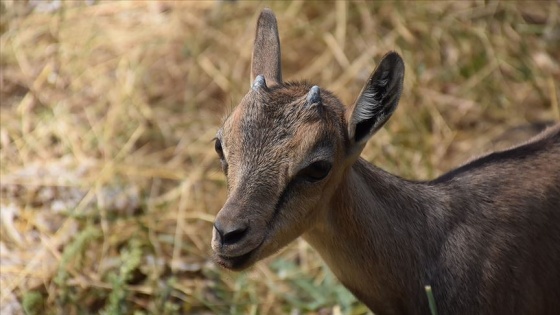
(109, 181)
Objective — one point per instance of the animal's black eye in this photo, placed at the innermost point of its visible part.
(315, 171)
(218, 148)
(220, 151)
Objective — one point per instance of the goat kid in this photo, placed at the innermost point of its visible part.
(485, 236)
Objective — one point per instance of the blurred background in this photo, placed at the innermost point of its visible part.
(109, 179)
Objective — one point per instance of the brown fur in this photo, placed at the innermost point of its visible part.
(485, 236)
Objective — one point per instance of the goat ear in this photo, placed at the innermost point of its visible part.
(266, 51)
(377, 101)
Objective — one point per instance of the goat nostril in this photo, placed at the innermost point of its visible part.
(219, 231)
(230, 233)
(234, 236)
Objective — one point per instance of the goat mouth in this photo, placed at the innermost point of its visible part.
(235, 263)
(238, 263)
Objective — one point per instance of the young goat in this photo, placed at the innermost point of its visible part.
(485, 236)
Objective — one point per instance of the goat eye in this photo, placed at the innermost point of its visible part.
(220, 151)
(315, 171)
(218, 148)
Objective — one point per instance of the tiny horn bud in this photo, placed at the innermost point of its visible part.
(314, 95)
(259, 82)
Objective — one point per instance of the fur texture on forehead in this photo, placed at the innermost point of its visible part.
(285, 108)
(271, 126)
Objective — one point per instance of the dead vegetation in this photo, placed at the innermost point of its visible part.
(109, 181)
